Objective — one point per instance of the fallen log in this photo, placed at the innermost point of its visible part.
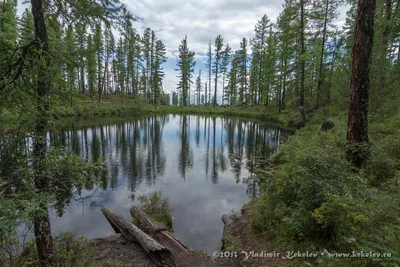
(148, 223)
(183, 255)
(157, 253)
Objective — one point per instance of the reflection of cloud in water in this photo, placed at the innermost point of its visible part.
(150, 154)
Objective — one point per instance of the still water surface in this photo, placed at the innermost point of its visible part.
(203, 165)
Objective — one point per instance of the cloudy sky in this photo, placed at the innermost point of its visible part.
(202, 21)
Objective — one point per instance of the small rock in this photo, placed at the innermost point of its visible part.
(226, 219)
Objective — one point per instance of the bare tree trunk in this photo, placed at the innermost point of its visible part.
(216, 81)
(82, 79)
(320, 77)
(357, 132)
(384, 44)
(303, 50)
(101, 84)
(41, 221)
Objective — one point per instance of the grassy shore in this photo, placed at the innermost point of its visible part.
(83, 108)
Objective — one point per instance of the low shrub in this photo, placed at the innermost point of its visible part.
(69, 251)
(158, 207)
(314, 197)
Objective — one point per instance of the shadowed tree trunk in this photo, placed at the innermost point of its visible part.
(44, 241)
(303, 51)
(384, 44)
(357, 132)
(321, 59)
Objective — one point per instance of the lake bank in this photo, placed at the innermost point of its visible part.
(114, 107)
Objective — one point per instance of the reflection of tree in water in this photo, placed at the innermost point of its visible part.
(219, 159)
(217, 153)
(197, 131)
(252, 142)
(135, 160)
(155, 164)
(208, 143)
(135, 150)
(235, 138)
(185, 157)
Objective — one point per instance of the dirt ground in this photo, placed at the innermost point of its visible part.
(117, 251)
(239, 236)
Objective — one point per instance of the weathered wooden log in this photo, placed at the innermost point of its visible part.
(183, 255)
(147, 223)
(158, 253)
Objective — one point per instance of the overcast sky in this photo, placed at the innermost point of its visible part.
(202, 21)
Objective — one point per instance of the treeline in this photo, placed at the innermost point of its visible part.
(301, 60)
(96, 59)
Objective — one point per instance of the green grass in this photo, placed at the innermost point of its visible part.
(113, 106)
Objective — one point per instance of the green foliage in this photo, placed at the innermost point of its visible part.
(17, 209)
(158, 207)
(185, 64)
(314, 197)
(70, 251)
(64, 172)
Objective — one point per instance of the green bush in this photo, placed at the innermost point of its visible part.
(158, 207)
(314, 197)
(70, 251)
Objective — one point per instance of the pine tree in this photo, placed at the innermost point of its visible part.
(98, 47)
(151, 93)
(109, 48)
(357, 132)
(71, 54)
(254, 78)
(269, 71)
(231, 92)
(146, 40)
(287, 52)
(121, 66)
(325, 13)
(129, 35)
(198, 88)
(80, 31)
(175, 99)
(226, 57)
(302, 52)
(91, 65)
(26, 30)
(158, 73)
(242, 72)
(259, 43)
(185, 64)
(209, 65)
(217, 64)
(8, 23)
